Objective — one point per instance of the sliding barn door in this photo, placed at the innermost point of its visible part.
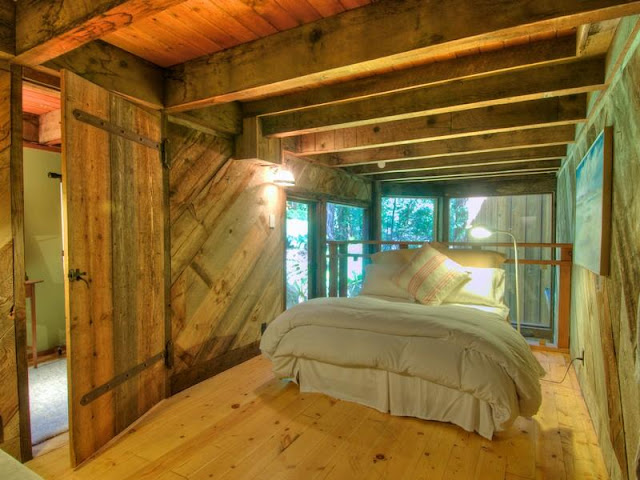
(114, 259)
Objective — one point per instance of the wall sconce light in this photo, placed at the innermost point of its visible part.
(283, 177)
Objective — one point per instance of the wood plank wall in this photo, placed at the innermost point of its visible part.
(14, 415)
(603, 312)
(227, 265)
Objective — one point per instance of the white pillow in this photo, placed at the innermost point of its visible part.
(486, 287)
(377, 281)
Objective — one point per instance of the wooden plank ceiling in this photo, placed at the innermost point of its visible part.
(395, 90)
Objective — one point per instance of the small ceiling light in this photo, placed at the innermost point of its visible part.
(283, 177)
(382, 164)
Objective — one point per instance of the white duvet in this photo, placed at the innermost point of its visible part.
(461, 347)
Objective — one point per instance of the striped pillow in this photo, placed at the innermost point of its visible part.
(430, 276)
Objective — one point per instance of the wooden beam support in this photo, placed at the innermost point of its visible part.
(115, 70)
(46, 29)
(481, 143)
(514, 185)
(568, 78)
(556, 111)
(7, 28)
(30, 127)
(455, 161)
(470, 66)
(252, 145)
(474, 172)
(50, 128)
(401, 31)
(477, 172)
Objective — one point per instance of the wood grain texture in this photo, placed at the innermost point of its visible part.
(603, 317)
(198, 27)
(543, 183)
(246, 425)
(560, 111)
(47, 29)
(7, 28)
(115, 233)
(115, 70)
(491, 142)
(9, 410)
(464, 67)
(506, 157)
(568, 78)
(403, 32)
(226, 263)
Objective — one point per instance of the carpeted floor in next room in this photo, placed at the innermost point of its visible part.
(48, 400)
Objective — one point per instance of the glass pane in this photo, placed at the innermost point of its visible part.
(297, 253)
(407, 219)
(529, 219)
(345, 222)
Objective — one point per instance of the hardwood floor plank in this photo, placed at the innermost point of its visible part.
(244, 424)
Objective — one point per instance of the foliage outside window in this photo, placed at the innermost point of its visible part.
(297, 253)
(408, 219)
(345, 222)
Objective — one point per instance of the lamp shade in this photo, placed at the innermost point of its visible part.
(480, 232)
(284, 178)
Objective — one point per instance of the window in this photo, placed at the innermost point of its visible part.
(408, 219)
(297, 252)
(529, 219)
(345, 222)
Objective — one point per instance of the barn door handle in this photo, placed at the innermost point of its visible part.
(76, 275)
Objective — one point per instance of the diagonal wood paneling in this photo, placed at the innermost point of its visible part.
(227, 274)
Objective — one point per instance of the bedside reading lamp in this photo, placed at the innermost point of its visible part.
(484, 232)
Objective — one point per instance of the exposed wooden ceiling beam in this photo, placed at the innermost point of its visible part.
(475, 159)
(556, 111)
(545, 166)
(115, 70)
(482, 143)
(464, 67)
(388, 33)
(46, 29)
(7, 28)
(568, 78)
(507, 185)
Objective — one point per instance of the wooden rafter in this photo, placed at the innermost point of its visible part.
(46, 29)
(507, 59)
(546, 166)
(401, 31)
(557, 111)
(7, 28)
(522, 155)
(115, 70)
(547, 136)
(568, 78)
(471, 187)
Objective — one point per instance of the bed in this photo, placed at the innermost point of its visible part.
(455, 362)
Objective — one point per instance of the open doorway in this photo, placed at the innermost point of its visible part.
(44, 282)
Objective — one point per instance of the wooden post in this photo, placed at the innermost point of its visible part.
(343, 274)
(320, 247)
(564, 298)
(333, 270)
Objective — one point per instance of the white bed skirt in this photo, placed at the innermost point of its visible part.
(396, 394)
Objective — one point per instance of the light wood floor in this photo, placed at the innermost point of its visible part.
(244, 424)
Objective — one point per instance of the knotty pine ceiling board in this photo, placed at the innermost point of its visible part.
(199, 27)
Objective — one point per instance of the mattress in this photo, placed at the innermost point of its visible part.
(417, 355)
